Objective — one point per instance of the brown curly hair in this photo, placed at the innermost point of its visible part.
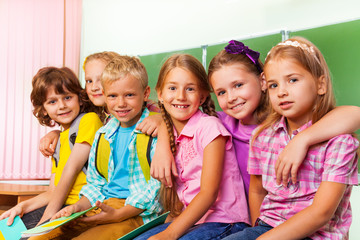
(63, 80)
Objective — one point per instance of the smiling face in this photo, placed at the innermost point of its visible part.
(125, 98)
(62, 108)
(238, 91)
(292, 90)
(93, 71)
(181, 96)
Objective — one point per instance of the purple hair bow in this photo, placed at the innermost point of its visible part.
(236, 47)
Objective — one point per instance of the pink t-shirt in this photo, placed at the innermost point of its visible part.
(332, 161)
(231, 204)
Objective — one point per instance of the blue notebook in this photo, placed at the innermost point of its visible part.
(12, 232)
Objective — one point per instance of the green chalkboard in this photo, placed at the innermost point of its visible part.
(154, 62)
(261, 44)
(340, 45)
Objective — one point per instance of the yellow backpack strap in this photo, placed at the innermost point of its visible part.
(153, 113)
(102, 154)
(143, 148)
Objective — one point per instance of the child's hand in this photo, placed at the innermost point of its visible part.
(66, 211)
(12, 213)
(107, 215)
(150, 125)
(48, 143)
(162, 165)
(290, 160)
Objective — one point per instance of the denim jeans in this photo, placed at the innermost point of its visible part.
(30, 219)
(252, 233)
(211, 230)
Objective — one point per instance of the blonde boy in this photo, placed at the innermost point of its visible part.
(124, 192)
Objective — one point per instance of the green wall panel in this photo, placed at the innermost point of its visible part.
(340, 45)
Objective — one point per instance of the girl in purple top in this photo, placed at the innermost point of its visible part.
(235, 76)
(317, 206)
(208, 200)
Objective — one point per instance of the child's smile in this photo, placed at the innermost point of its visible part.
(237, 106)
(238, 91)
(125, 98)
(122, 113)
(181, 106)
(93, 71)
(62, 108)
(181, 96)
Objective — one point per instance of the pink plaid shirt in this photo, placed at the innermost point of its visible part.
(333, 161)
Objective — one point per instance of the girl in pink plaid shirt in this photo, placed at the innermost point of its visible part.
(316, 206)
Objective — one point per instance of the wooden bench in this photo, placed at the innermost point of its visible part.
(12, 194)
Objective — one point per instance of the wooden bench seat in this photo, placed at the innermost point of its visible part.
(12, 194)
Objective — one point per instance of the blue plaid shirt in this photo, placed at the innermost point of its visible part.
(143, 195)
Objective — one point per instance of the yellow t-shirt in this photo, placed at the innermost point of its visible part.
(88, 126)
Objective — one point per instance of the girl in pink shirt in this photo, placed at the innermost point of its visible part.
(208, 200)
(316, 206)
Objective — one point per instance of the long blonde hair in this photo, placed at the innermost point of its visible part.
(310, 58)
(168, 196)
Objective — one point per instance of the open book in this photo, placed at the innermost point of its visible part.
(153, 223)
(49, 226)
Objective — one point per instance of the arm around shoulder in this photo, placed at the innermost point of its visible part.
(163, 163)
(341, 120)
(48, 143)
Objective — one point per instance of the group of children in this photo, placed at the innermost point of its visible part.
(269, 160)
